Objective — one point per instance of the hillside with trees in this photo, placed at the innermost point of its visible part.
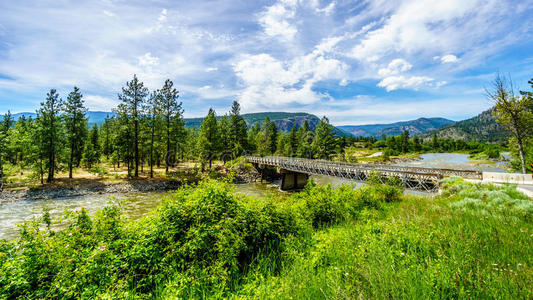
(481, 128)
(415, 127)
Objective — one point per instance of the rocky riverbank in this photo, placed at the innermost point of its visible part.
(87, 188)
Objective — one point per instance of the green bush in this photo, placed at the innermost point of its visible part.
(200, 240)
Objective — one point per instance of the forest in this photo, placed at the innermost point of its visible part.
(147, 131)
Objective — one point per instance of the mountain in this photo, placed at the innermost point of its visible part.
(283, 120)
(481, 128)
(97, 117)
(415, 127)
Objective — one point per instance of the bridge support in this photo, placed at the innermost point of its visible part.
(292, 180)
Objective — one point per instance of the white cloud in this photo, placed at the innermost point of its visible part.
(108, 13)
(163, 15)
(344, 82)
(271, 83)
(418, 25)
(395, 67)
(328, 10)
(275, 20)
(211, 69)
(147, 60)
(99, 103)
(392, 83)
(450, 58)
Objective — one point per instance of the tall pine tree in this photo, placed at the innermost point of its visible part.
(76, 127)
(133, 97)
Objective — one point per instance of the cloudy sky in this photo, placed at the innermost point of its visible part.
(356, 62)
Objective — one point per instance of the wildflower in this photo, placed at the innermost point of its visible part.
(102, 248)
(401, 253)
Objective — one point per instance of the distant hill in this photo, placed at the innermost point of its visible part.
(481, 128)
(97, 117)
(415, 127)
(283, 120)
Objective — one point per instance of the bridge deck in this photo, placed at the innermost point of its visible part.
(413, 177)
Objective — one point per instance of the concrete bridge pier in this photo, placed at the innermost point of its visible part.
(292, 180)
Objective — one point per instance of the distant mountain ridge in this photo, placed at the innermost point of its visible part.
(415, 127)
(283, 120)
(481, 128)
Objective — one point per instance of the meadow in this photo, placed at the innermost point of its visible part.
(207, 241)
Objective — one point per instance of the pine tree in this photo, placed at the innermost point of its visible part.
(208, 139)
(7, 122)
(226, 138)
(305, 139)
(238, 131)
(50, 125)
(293, 142)
(133, 97)
(324, 141)
(153, 109)
(172, 115)
(268, 137)
(106, 136)
(92, 153)
(76, 127)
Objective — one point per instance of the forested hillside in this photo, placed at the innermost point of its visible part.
(415, 127)
(481, 128)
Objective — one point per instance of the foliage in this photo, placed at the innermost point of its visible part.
(202, 239)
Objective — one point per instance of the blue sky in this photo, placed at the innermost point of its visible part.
(357, 62)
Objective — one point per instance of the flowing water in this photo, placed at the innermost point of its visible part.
(136, 205)
(453, 161)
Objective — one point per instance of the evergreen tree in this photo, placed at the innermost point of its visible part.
(106, 137)
(50, 127)
(268, 138)
(293, 142)
(238, 131)
(153, 109)
(92, 153)
(435, 141)
(226, 138)
(208, 139)
(404, 141)
(133, 97)
(305, 140)
(3, 146)
(76, 127)
(324, 141)
(172, 115)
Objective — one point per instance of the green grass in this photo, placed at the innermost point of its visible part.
(207, 241)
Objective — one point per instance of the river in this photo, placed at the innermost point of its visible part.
(136, 205)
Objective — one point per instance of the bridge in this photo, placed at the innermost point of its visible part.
(295, 172)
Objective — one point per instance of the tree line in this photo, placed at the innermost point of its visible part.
(148, 130)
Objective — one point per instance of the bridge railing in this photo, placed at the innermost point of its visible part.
(427, 181)
(445, 172)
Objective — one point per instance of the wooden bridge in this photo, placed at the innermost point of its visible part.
(295, 172)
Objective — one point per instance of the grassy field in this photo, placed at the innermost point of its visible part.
(208, 241)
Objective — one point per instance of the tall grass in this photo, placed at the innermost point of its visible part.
(207, 241)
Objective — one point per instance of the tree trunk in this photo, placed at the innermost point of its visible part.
(521, 152)
(51, 156)
(168, 142)
(152, 153)
(136, 122)
(71, 160)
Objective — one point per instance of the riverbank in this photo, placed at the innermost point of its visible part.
(113, 184)
(88, 187)
(209, 241)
